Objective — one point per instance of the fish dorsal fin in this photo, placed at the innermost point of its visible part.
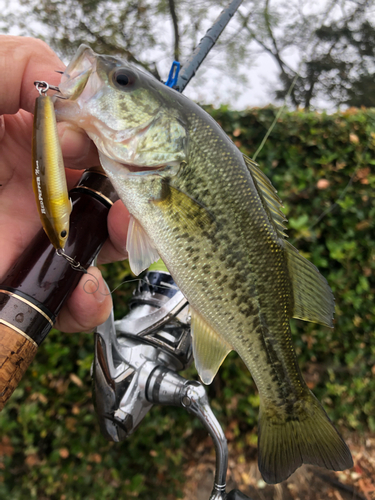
(269, 195)
(312, 296)
(139, 247)
(209, 349)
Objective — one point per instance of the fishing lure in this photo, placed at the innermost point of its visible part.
(49, 182)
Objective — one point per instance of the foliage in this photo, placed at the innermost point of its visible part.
(323, 166)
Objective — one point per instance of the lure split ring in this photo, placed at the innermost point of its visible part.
(43, 87)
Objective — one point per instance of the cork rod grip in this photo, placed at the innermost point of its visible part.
(16, 354)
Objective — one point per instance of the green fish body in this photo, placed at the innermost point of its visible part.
(214, 218)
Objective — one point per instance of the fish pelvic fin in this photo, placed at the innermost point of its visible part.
(312, 296)
(305, 435)
(209, 349)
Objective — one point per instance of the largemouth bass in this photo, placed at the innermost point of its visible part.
(49, 181)
(215, 220)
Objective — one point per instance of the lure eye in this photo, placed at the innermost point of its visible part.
(124, 79)
(63, 233)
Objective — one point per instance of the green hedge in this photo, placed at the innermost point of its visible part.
(50, 445)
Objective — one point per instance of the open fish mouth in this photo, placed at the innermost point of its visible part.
(77, 73)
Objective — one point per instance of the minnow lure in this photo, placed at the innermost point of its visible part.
(49, 182)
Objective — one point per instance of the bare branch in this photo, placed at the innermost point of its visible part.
(276, 52)
(172, 9)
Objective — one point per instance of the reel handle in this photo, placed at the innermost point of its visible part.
(39, 283)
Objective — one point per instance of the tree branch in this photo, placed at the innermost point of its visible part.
(172, 9)
(282, 64)
(276, 52)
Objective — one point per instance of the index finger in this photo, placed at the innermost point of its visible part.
(22, 61)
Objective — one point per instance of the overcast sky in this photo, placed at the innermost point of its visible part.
(218, 88)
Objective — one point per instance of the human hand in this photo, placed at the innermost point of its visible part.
(22, 61)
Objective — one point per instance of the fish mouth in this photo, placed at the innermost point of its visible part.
(144, 169)
(123, 169)
(166, 169)
(77, 73)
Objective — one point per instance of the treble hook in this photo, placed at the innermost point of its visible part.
(73, 263)
(43, 87)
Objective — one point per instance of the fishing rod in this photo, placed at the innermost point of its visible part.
(205, 45)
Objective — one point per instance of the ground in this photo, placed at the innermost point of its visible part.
(307, 483)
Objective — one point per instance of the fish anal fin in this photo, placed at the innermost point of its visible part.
(304, 435)
(312, 296)
(209, 349)
(140, 250)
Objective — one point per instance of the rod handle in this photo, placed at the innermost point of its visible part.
(40, 281)
(16, 353)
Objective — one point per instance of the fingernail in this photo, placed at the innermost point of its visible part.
(92, 287)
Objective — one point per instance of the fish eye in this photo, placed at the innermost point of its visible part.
(123, 79)
(63, 233)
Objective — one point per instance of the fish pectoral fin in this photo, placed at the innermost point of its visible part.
(304, 434)
(209, 349)
(141, 252)
(312, 296)
(184, 210)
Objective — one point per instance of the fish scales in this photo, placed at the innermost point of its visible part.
(215, 220)
(238, 254)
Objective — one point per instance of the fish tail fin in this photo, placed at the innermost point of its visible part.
(304, 434)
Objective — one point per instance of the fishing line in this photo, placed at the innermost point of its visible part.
(78, 267)
(167, 286)
(297, 75)
(278, 114)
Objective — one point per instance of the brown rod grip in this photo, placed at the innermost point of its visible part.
(39, 283)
